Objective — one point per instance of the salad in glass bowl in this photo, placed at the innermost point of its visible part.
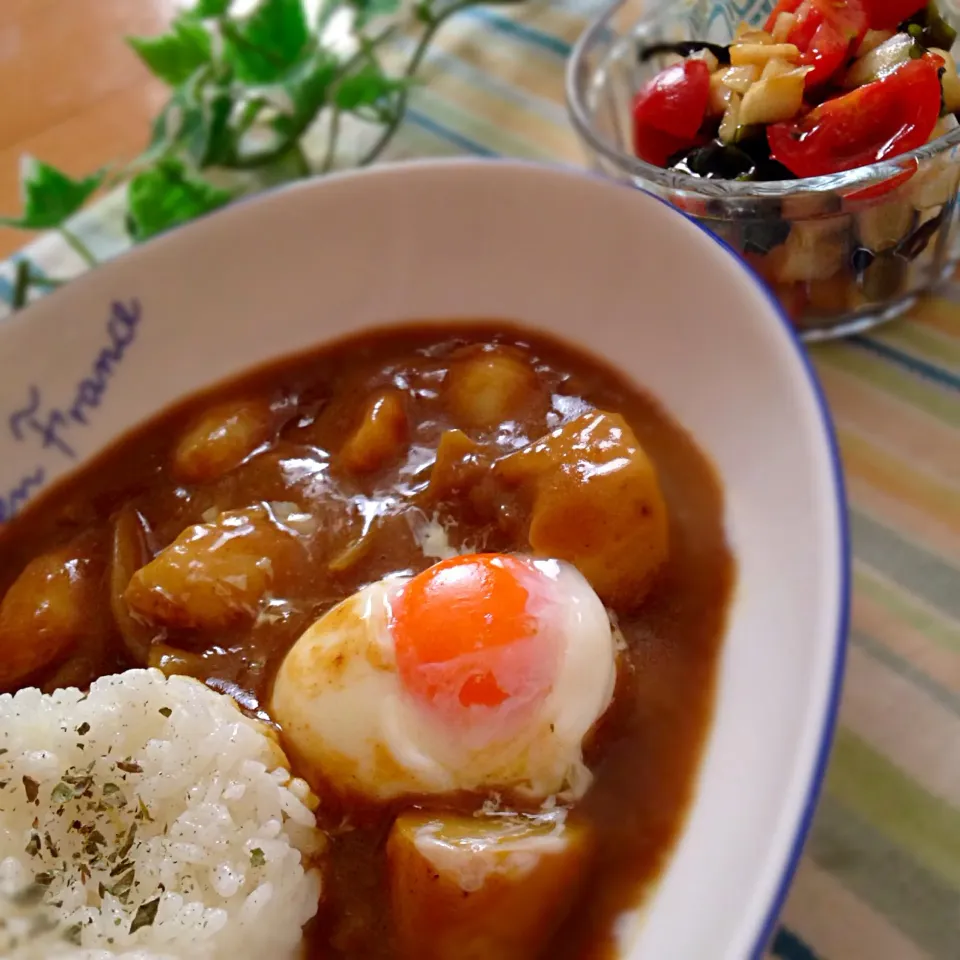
(823, 86)
(820, 140)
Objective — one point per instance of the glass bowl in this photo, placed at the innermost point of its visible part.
(842, 252)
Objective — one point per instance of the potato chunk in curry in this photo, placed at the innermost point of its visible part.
(485, 388)
(595, 501)
(380, 437)
(47, 611)
(481, 888)
(221, 438)
(214, 575)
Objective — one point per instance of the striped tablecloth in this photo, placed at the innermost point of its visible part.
(881, 876)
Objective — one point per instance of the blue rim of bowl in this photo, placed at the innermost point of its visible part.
(828, 729)
(846, 182)
(829, 723)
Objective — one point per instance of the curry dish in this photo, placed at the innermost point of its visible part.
(212, 540)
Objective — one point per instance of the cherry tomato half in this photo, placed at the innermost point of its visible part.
(888, 186)
(675, 100)
(879, 120)
(887, 14)
(847, 17)
(827, 53)
(809, 20)
(654, 145)
(825, 32)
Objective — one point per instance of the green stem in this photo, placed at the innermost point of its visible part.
(25, 278)
(331, 153)
(129, 171)
(116, 178)
(79, 246)
(300, 161)
(413, 65)
(21, 285)
(47, 283)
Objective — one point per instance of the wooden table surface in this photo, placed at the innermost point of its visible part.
(73, 92)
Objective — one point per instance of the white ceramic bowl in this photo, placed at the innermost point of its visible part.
(609, 267)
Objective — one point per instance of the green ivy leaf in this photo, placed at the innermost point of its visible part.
(196, 119)
(180, 120)
(367, 86)
(211, 141)
(269, 42)
(175, 56)
(307, 88)
(49, 196)
(166, 196)
(208, 9)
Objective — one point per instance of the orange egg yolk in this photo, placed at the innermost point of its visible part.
(464, 635)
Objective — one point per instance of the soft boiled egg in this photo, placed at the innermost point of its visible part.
(483, 672)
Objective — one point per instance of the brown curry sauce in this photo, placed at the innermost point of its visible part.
(645, 751)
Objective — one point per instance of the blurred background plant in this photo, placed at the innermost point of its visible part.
(260, 93)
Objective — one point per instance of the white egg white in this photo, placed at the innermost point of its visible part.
(351, 723)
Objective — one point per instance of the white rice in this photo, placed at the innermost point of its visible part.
(149, 819)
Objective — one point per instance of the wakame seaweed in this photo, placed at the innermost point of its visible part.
(747, 160)
(684, 48)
